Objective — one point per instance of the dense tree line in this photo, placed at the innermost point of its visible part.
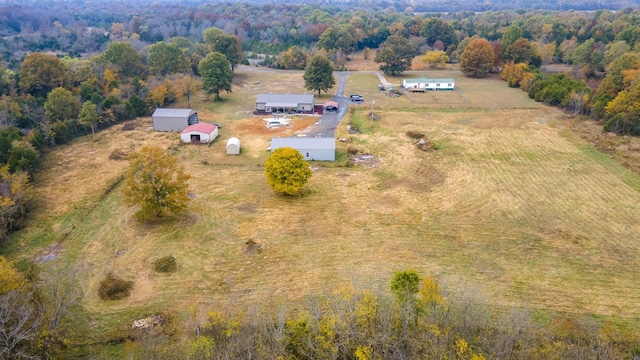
(419, 321)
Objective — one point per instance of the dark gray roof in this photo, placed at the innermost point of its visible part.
(285, 100)
(305, 143)
(164, 112)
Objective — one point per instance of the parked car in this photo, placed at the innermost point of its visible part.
(357, 98)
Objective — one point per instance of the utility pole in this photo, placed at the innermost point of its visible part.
(373, 103)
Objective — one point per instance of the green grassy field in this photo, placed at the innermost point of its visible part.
(510, 208)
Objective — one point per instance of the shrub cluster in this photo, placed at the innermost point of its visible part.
(166, 264)
(114, 288)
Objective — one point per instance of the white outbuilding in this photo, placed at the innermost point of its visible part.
(233, 146)
(200, 133)
(310, 148)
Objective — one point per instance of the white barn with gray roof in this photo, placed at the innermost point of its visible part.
(285, 103)
(323, 149)
(173, 119)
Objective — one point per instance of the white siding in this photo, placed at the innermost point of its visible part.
(322, 149)
(233, 146)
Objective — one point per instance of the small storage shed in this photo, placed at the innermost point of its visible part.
(173, 119)
(233, 146)
(285, 103)
(201, 133)
(423, 84)
(311, 148)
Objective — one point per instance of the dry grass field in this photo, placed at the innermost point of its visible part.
(511, 207)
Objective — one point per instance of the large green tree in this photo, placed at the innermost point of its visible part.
(287, 171)
(124, 57)
(61, 105)
(436, 29)
(395, 55)
(40, 73)
(166, 59)
(228, 45)
(589, 54)
(318, 75)
(216, 74)
(156, 183)
(477, 58)
(510, 36)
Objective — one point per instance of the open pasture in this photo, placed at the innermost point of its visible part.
(509, 208)
(490, 93)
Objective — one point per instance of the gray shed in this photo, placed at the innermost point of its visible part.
(173, 119)
(233, 146)
(310, 148)
(285, 103)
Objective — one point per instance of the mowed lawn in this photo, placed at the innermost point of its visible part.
(511, 208)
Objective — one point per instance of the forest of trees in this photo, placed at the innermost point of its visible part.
(67, 71)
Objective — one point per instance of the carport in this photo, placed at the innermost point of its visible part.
(330, 106)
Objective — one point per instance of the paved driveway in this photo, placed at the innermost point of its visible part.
(326, 124)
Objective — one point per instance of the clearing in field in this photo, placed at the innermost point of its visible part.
(509, 207)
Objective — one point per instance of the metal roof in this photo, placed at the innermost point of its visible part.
(200, 127)
(285, 100)
(233, 141)
(164, 112)
(304, 143)
(429, 80)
